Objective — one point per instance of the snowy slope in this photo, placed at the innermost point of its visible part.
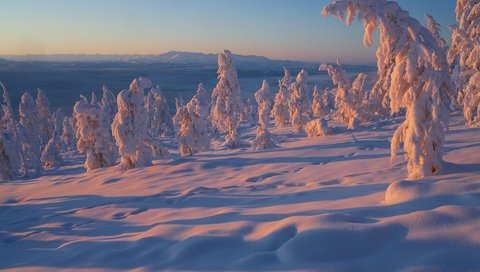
(313, 204)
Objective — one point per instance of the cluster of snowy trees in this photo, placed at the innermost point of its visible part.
(418, 76)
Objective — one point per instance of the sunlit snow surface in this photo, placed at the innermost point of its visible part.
(313, 204)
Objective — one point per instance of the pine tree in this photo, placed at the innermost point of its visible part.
(51, 153)
(28, 131)
(227, 108)
(410, 73)
(93, 138)
(130, 126)
(299, 105)
(45, 129)
(264, 139)
(463, 57)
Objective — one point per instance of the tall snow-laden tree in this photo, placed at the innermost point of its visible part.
(464, 58)
(108, 105)
(410, 75)
(93, 138)
(130, 126)
(320, 107)
(10, 157)
(159, 118)
(263, 138)
(51, 153)
(45, 129)
(193, 134)
(68, 134)
(348, 95)
(280, 110)
(28, 134)
(299, 105)
(94, 100)
(227, 108)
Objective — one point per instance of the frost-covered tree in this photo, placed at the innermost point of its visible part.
(464, 58)
(280, 111)
(320, 104)
(10, 156)
(130, 126)
(299, 104)
(410, 72)
(226, 107)
(45, 129)
(348, 95)
(159, 118)
(193, 134)
(263, 138)
(28, 132)
(51, 153)
(68, 134)
(179, 113)
(93, 139)
(317, 127)
(108, 105)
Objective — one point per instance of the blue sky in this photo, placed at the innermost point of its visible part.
(280, 29)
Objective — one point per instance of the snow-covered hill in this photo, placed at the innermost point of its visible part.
(177, 57)
(313, 204)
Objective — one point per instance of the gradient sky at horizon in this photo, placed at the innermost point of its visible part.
(279, 29)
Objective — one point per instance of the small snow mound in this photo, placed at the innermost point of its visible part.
(404, 190)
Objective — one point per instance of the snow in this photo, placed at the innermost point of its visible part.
(331, 203)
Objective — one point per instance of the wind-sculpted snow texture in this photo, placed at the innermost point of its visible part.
(410, 64)
(316, 204)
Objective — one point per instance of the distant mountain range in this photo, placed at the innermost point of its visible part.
(175, 57)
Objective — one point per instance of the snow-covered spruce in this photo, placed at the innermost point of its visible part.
(348, 96)
(320, 104)
(317, 127)
(51, 153)
(159, 118)
(130, 126)
(464, 58)
(93, 138)
(10, 157)
(226, 102)
(263, 138)
(280, 111)
(299, 104)
(45, 129)
(108, 105)
(28, 131)
(68, 137)
(193, 134)
(414, 81)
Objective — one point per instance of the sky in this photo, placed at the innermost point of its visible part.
(278, 29)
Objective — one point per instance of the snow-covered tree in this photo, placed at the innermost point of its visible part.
(410, 72)
(280, 110)
(10, 156)
(108, 105)
(464, 58)
(93, 138)
(130, 126)
(51, 153)
(227, 108)
(68, 134)
(348, 95)
(263, 138)
(179, 113)
(159, 118)
(320, 104)
(193, 134)
(317, 127)
(299, 104)
(28, 132)
(44, 118)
